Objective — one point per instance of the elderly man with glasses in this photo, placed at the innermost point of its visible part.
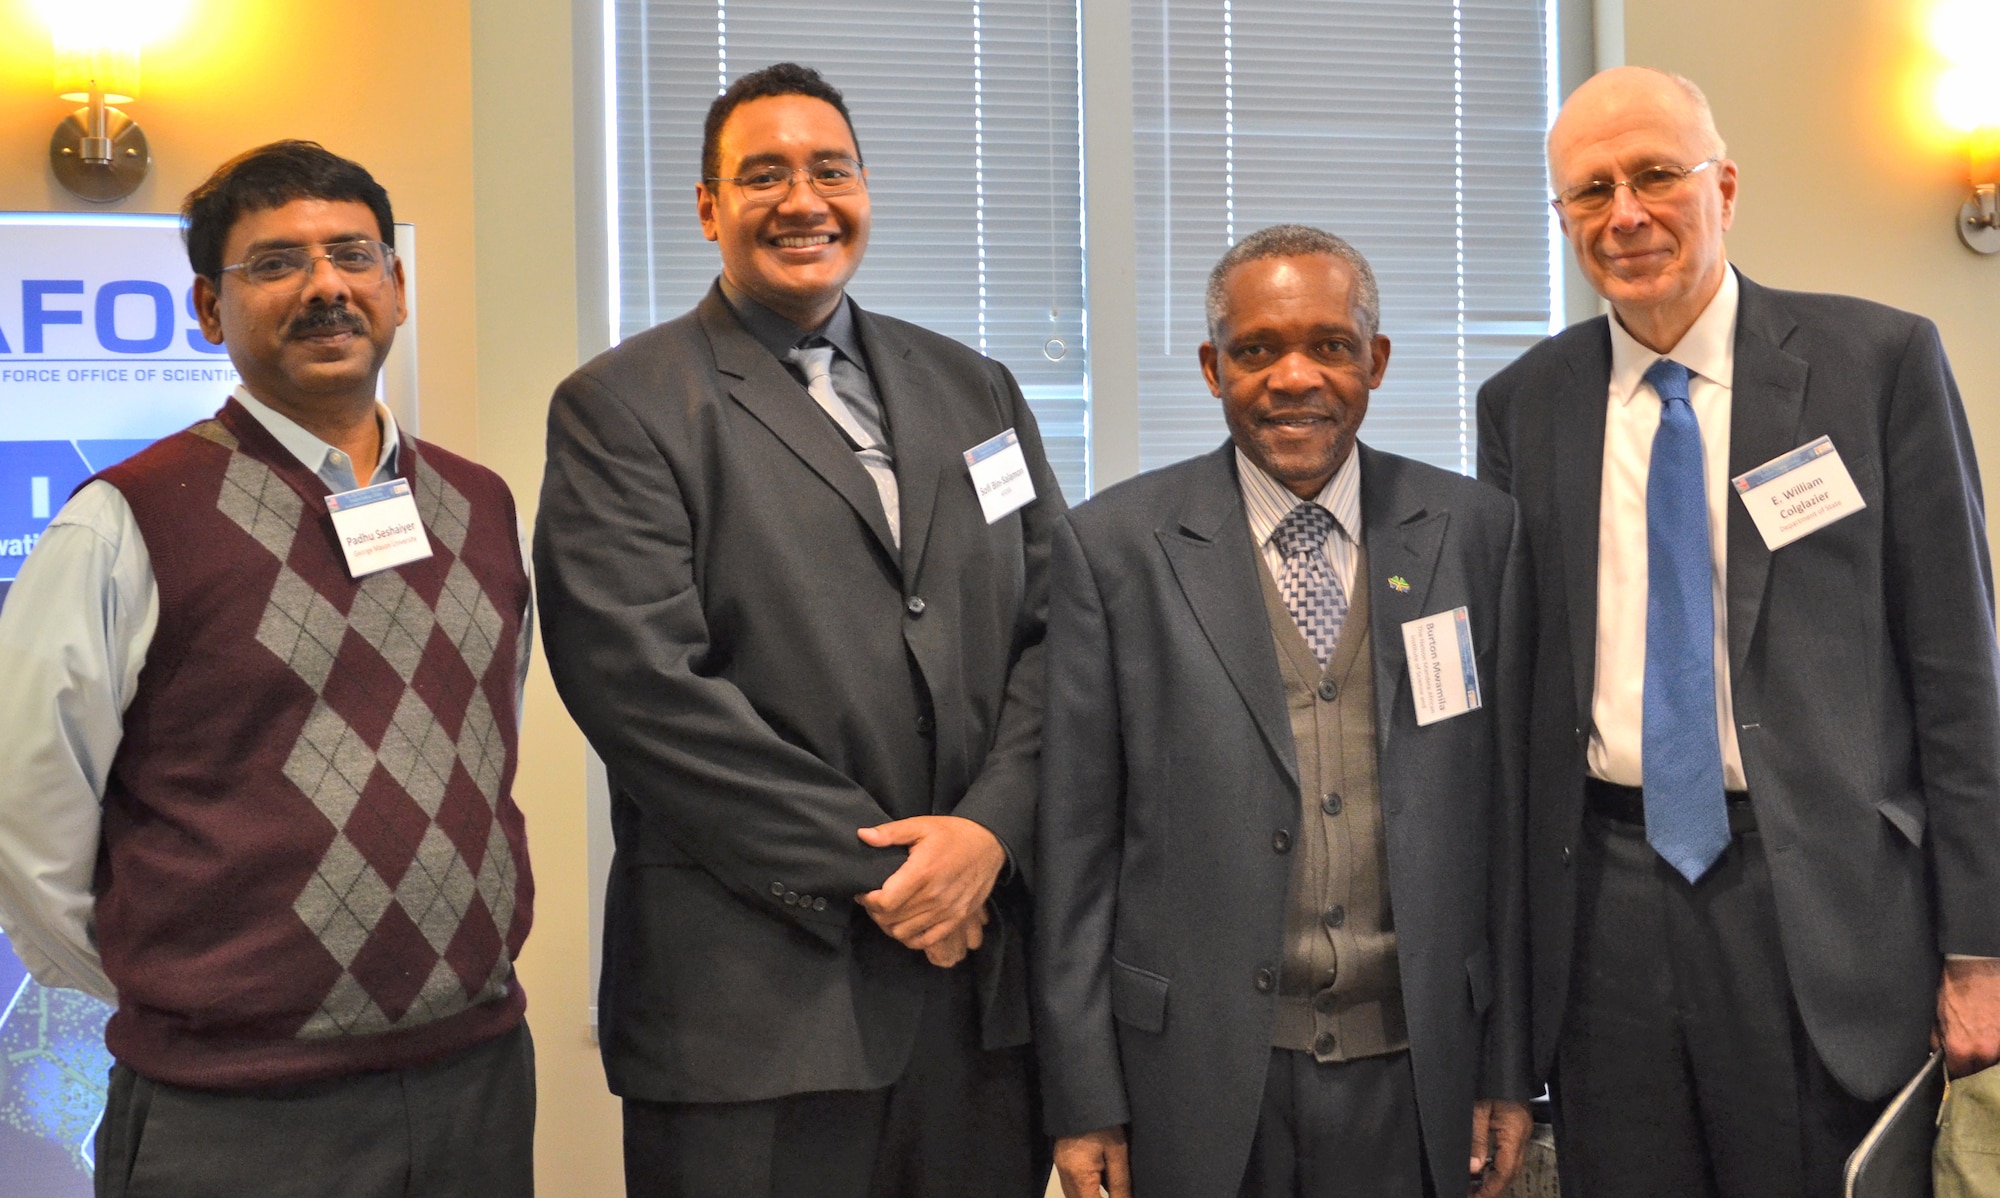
(1764, 829)
(259, 737)
(793, 557)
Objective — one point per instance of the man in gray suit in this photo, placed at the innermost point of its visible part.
(1278, 946)
(810, 656)
(1764, 773)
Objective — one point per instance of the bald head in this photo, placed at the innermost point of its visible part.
(1659, 258)
(1644, 93)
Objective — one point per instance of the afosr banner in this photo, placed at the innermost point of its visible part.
(100, 355)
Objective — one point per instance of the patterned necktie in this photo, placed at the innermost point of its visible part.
(1686, 820)
(1311, 592)
(815, 358)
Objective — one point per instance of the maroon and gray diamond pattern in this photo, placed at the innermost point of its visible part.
(419, 866)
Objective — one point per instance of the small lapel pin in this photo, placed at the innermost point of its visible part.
(1397, 584)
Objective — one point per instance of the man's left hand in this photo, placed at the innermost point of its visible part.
(1505, 1126)
(944, 885)
(1969, 1015)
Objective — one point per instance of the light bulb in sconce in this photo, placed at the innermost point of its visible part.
(98, 153)
(1967, 34)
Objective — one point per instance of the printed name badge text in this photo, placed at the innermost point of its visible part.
(1799, 493)
(1000, 475)
(1444, 678)
(378, 527)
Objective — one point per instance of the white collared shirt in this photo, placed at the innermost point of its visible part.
(1266, 502)
(1632, 416)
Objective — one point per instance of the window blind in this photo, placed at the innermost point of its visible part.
(967, 113)
(1411, 128)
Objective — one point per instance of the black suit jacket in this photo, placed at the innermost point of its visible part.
(763, 674)
(1862, 661)
(1168, 764)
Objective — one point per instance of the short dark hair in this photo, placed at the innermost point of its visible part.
(778, 79)
(268, 177)
(1295, 241)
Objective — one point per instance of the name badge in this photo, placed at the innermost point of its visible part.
(1799, 493)
(378, 527)
(1000, 475)
(1443, 676)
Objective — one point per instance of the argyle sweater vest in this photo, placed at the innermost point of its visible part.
(311, 863)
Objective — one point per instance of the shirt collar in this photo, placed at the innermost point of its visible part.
(1708, 348)
(1267, 502)
(779, 335)
(313, 453)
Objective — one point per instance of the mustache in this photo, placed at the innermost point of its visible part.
(325, 319)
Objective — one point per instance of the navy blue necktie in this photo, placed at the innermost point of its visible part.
(1686, 820)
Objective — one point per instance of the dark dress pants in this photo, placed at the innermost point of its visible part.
(1340, 1130)
(462, 1128)
(1683, 1070)
(960, 1123)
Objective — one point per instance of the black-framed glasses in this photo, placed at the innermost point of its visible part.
(829, 177)
(1655, 182)
(290, 266)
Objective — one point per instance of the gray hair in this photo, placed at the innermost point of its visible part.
(1296, 241)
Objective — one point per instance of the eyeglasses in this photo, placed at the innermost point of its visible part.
(1650, 183)
(829, 177)
(291, 266)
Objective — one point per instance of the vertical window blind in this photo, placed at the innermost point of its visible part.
(967, 113)
(1412, 129)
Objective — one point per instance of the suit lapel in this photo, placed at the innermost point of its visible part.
(768, 391)
(1576, 435)
(1403, 538)
(1767, 399)
(1216, 565)
(910, 393)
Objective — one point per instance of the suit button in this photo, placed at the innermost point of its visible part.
(1327, 690)
(926, 725)
(1336, 915)
(777, 890)
(1565, 854)
(1281, 841)
(1324, 1044)
(914, 605)
(791, 898)
(1265, 979)
(819, 904)
(1330, 804)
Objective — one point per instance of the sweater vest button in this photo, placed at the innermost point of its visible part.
(1327, 690)
(1330, 804)
(1324, 1044)
(1336, 915)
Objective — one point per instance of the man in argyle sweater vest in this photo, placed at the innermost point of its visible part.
(271, 816)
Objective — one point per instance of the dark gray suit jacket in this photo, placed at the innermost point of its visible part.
(764, 674)
(1168, 764)
(1862, 661)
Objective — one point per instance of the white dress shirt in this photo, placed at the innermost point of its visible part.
(74, 634)
(1632, 416)
(1267, 502)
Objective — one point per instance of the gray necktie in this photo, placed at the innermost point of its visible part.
(816, 361)
(1311, 592)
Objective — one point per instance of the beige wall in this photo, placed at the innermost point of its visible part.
(1848, 182)
(497, 307)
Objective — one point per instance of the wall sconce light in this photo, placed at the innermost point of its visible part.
(1967, 33)
(98, 153)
